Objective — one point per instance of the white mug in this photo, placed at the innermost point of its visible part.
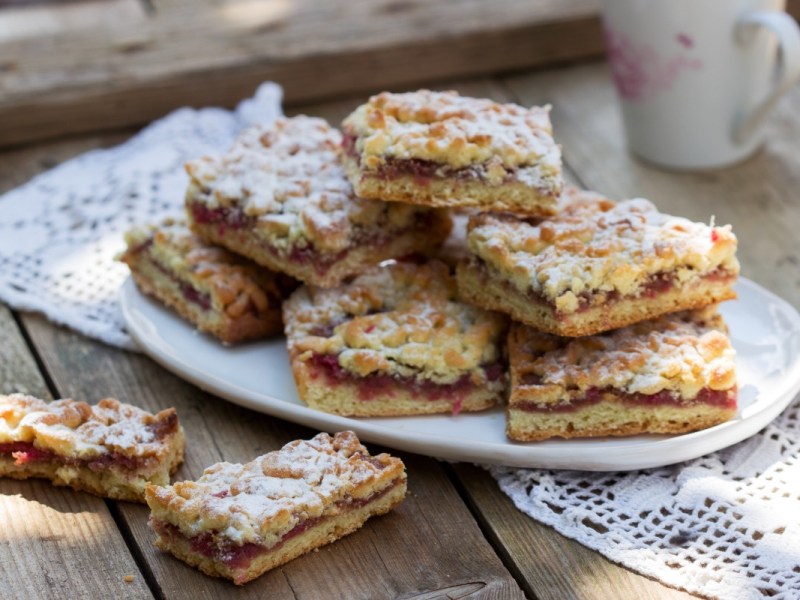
(696, 78)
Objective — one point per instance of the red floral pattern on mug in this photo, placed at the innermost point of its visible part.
(639, 71)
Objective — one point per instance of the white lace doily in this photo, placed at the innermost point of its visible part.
(60, 232)
(726, 525)
(723, 526)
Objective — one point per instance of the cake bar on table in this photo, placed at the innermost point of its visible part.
(596, 266)
(443, 149)
(110, 449)
(673, 374)
(281, 198)
(238, 521)
(219, 292)
(394, 341)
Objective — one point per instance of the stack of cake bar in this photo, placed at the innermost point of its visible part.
(585, 316)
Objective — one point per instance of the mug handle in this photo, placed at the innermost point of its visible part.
(788, 33)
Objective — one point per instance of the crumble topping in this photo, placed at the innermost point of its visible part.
(401, 319)
(288, 176)
(235, 284)
(77, 430)
(446, 128)
(595, 247)
(681, 353)
(262, 500)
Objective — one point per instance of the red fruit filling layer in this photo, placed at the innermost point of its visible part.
(725, 399)
(233, 218)
(380, 386)
(237, 557)
(657, 284)
(25, 453)
(423, 171)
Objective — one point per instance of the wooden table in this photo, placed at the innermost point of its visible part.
(456, 535)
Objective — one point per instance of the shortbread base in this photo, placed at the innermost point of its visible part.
(242, 241)
(478, 288)
(106, 483)
(152, 281)
(612, 418)
(327, 531)
(513, 196)
(342, 397)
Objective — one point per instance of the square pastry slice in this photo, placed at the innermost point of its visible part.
(280, 197)
(597, 266)
(219, 292)
(673, 374)
(110, 449)
(442, 149)
(239, 521)
(394, 341)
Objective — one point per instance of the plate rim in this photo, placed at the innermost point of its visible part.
(677, 448)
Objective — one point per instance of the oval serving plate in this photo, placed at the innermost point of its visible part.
(765, 331)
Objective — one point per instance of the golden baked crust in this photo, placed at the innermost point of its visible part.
(668, 375)
(443, 149)
(402, 319)
(458, 131)
(320, 483)
(478, 286)
(283, 188)
(126, 444)
(232, 298)
(595, 248)
(681, 353)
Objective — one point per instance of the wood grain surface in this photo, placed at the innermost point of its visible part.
(87, 65)
(54, 542)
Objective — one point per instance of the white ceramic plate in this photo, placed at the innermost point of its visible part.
(765, 332)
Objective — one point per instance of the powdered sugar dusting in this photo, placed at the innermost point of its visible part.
(596, 246)
(262, 500)
(459, 131)
(401, 319)
(75, 429)
(289, 176)
(682, 352)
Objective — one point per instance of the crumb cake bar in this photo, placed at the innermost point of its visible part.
(281, 198)
(596, 266)
(219, 292)
(239, 521)
(443, 149)
(673, 374)
(394, 341)
(110, 449)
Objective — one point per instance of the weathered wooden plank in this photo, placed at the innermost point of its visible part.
(430, 543)
(216, 53)
(758, 197)
(553, 567)
(55, 543)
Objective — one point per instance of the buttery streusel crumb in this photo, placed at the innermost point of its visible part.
(238, 521)
(597, 265)
(219, 292)
(110, 449)
(280, 197)
(393, 333)
(443, 149)
(672, 374)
